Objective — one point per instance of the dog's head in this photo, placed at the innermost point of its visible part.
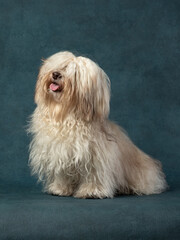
(68, 84)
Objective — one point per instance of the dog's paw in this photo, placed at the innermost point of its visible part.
(58, 190)
(90, 191)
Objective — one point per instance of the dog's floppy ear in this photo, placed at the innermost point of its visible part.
(41, 88)
(37, 89)
(102, 94)
(93, 92)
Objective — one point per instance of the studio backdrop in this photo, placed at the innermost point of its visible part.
(137, 44)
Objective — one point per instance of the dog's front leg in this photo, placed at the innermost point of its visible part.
(93, 187)
(60, 186)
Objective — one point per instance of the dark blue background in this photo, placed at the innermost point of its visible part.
(136, 42)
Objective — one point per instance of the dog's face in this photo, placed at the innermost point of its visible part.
(73, 85)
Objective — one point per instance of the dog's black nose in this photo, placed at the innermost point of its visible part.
(56, 75)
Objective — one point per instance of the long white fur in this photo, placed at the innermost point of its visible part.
(75, 149)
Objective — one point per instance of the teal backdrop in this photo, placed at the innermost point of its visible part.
(137, 43)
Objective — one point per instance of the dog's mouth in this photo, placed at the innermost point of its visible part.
(55, 87)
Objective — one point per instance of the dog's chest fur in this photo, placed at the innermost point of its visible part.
(60, 147)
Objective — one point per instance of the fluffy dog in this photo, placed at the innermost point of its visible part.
(75, 149)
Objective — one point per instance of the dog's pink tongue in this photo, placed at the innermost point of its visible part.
(54, 87)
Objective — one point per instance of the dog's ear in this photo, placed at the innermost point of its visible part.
(37, 88)
(102, 94)
(94, 92)
(41, 88)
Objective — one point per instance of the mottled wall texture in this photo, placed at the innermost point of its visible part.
(136, 42)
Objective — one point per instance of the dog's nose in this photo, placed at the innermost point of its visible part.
(56, 75)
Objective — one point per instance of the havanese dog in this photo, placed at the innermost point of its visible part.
(75, 150)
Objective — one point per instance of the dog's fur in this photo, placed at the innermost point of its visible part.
(75, 149)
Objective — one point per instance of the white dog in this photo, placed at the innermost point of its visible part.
(75, 149)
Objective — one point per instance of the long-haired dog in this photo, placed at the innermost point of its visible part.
(75, 149)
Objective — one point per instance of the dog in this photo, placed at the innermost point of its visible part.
(75, 150)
